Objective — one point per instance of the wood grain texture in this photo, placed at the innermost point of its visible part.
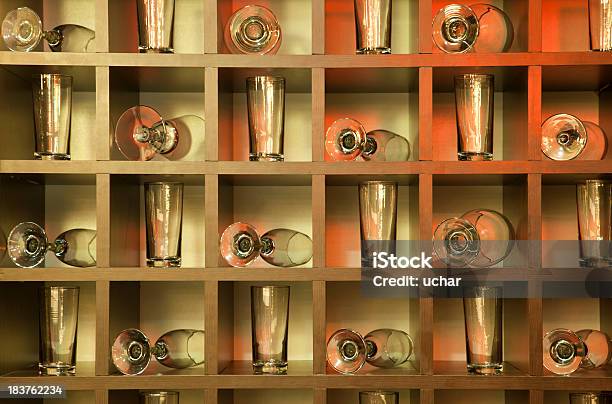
(102, 327)
(318, 220)
(319, 316)
(534, 91)
(318, 27)
(211, 108)
(211, 325)
(425, 17)
(318, 114)
(102, 27)
(425, 113)
(535, 26)
(103, 130)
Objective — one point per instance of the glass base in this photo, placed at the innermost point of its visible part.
(373, 51)
(270, 368)
(56, 370)
(473, 156)
(170, 262)
(485, 369)
(266, 157)
(51, 156)
(595, 262)
(145, 49)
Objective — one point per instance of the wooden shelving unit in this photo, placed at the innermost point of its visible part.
(546, 72)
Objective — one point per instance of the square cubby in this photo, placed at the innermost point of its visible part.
(481, 396)
(58, 208)
(556, 16)
(17, 108)
(378, 98)
(341, 396)
(128, 229)
(343, 220)
(191, 396)
(157, 309)
(235, 342)
(187, 30)
(564, 396)
(340, 17)
(517, 11)
(142, 98)
(497, 207)
(267, 202)
(265, 396)
(583, 93)
(54, 14)
(21, 311)
(293, 16)
(508, 112)
(234, 137)
(392, 322)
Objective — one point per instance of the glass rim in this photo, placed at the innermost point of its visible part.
(59, 287)
(65, 76)
(164, 183)
(382, 182)
(595, 181)
(378, 392)
(474, 75)
(270, 287)
(159, 393)
(263, 76)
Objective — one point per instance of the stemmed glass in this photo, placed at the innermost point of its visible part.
(27, 245)
(178, 349)
(565, 137)
(141, 133)
(346, 139)
(22, 31)
(241, 244)
(348, 351)
(566, 351)
(253, 30)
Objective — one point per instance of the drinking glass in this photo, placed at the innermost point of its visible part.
(59, 309)
(159, 397)
(155, 26)
(348, 351)
(594, 198)
(600, 25)
(590, 398)
(479, 238)
(597, 146)
(269, 326)
(266, 109)
(346, 139)
(563, 352)
(253, 30)
(482, 307)
(563, 137)
(474, 97)
(164, 219)
(177, 349)
(52, 96)
(599, 348)
(27, 245)
(378, 218)
(241, 244)
(22, 31)
(141, 133)
(378, 397)
(373, 26)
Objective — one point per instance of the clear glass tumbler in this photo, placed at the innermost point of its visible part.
(254, 30)
(590, 398)
(482, 307)
(373, 26)
(164, 218)
(266, 108)
(269, 328)
(159, 397)
(52, 96)
(474, 96)
(378, 218)
(594, 198)
(600, 24)
(59, 310)
(378, 397)
(155, 26)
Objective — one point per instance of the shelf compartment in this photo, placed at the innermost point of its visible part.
(156, 308)
(340, 27)
(557, 16)
(133, 396)
(263, 396)
(379, 98)
(234, 334)
(510, 112)
(342, 396)
(484, 396)
(233, 113)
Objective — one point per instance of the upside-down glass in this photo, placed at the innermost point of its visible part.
(177, 349)
(378, 397)
(600, 25)
(596, 147)
(164, 219)
(378, 218)
(599, 348)
(142, 133)
(373, 26)
(22, 31)
(564, 137)
(266, 109)
(155, 26)
(27, 245)
(159, 397)
(346, 139)
(269, 328)
(253, 30)
(474, 97)
(590, 398)
(59, 310)
(594, 199)
(563, 351)
(52, 96)
(482, 307)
